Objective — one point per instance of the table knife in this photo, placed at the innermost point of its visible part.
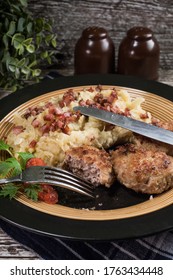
(136, 126)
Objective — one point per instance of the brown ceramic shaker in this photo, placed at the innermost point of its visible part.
(94, 52)
(139, 54)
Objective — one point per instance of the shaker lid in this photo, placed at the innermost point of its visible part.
(140, 33)
(94, 32)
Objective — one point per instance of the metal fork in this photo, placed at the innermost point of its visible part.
(53, 176)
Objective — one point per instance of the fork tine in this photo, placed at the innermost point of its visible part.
(66, 174)
(64, 184)
(64, 180)
(56, 174)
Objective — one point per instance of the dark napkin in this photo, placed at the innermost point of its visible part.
(155, 247)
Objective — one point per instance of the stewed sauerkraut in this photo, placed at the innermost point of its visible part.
(49, 129)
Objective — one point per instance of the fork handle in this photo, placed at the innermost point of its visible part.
(9, 180)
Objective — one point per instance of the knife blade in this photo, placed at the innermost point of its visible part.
(136, 126)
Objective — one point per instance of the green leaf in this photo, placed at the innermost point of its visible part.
(11, 62)
(10, 190)
(44, 54)
(16, 44)
(15, 9)
(28, 41)
(12, 28)
(32, 64)
(20, 24)
(38, 40)
(49, 60)
(17, 73)
(5, 147)
(36, 72)
(48, 39)
(12, 68)
(32, 191)
(51, 53)
(54, 43)
(21, 49)
(47, 27)
(24, 3)
(29, 27)
(23, 158)
(14, 88)
(30, 48)
(5, 168)
(25, 70)
(21, 62)
(18, 37)
(6, 56)
(10, 166)
(5, 40)
(13, 162)
(39, 23)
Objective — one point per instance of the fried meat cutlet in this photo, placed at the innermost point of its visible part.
(151, 144)
(91, 164)
(143, 170)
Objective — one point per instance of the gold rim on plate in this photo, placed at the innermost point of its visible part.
(158, 106)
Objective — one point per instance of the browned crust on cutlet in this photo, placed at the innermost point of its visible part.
(143, 170)
(91, 163)
(151, 144)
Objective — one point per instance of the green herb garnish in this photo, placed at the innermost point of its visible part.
(23, 158)
(12, 167)
(31, 191)
(5, 147)
(9, 190)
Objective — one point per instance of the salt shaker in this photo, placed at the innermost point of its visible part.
(139, 54)
(94, 52)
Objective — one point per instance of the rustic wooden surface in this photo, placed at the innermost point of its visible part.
(117, 16)
(10, 249)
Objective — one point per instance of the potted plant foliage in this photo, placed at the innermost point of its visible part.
(25, 44)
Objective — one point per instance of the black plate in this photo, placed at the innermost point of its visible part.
(26, 217)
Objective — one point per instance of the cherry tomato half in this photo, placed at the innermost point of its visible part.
(48, 194)
(35, 162)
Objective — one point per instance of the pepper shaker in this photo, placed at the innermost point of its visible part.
(94, 52)
(139, 54)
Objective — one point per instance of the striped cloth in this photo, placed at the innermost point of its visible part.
(156, 247)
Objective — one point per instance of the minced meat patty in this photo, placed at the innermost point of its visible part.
(146, 171)
(92, 164)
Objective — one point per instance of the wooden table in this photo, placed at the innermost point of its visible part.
(10, 249)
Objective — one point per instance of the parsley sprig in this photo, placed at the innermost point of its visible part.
(9, 190)
(5, 147)
(32, 191)
(13, 166)
(10, 166)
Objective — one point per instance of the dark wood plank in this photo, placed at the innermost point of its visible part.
(117, 16)
(10, 249)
